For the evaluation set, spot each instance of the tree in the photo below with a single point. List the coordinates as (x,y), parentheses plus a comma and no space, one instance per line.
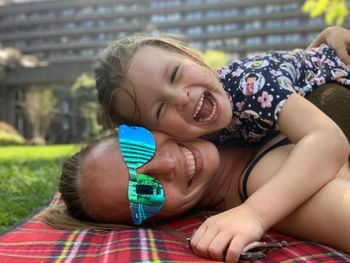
(39,104)
(85,93)
(214,58)
(335,11)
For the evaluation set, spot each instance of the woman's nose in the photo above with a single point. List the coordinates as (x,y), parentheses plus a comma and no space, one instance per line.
(161,167)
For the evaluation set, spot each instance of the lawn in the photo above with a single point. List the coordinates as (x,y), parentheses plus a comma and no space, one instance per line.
(28,177)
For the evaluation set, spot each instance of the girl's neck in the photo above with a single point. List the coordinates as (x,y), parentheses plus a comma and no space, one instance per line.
(223,193)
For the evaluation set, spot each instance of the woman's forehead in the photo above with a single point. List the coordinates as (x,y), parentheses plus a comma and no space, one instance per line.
(105,180)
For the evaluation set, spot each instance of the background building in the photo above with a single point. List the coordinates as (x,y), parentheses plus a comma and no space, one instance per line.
(69,34)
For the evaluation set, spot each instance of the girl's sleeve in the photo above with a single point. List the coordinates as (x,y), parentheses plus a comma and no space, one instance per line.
(264,88)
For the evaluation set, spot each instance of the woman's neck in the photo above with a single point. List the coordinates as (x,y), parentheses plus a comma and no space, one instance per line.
(223,193)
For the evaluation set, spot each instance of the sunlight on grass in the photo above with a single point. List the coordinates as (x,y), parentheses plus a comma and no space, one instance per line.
(35,152)
(29,176)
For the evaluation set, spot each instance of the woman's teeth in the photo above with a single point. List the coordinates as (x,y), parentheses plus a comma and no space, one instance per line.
(191,163)
(210,107)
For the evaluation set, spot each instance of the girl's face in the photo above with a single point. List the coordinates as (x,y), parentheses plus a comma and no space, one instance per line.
(173,94)
(184,169)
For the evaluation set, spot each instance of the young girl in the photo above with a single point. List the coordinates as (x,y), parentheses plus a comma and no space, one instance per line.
(163,86)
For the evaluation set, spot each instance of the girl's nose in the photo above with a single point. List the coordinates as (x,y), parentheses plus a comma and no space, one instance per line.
(181,98)
(161,167)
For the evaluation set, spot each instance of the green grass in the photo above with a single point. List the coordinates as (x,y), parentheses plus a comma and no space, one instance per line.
(28,177)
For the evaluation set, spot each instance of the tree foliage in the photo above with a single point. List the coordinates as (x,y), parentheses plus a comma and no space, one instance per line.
(334,11)
(39,104)
(84,92)
(214,58)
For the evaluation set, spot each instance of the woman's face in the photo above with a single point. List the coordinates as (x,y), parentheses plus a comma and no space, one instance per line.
(185,170)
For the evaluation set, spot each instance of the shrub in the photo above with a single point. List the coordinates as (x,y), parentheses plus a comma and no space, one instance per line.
(10,138)
(9,135)
(37,141)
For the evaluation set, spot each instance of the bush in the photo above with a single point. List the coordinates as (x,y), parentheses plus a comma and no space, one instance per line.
(37,141)
(9,135)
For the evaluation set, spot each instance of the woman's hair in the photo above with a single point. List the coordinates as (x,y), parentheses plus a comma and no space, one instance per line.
(74,213)
(112,66)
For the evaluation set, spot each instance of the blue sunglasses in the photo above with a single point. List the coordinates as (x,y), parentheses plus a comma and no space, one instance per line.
(146,196)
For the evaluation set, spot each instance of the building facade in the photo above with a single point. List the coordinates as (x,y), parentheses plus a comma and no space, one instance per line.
(70,34)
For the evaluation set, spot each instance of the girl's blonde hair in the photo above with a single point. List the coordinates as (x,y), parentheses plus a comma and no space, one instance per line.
(112,66)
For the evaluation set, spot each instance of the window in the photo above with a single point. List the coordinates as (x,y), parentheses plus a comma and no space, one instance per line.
(194,2)
(311,36)
(292,38)
(69,25)
(276,39)
(88,23)
(158,18)
(68,12)
(196,45)
(274,24)
(214,28)
(232,41)
(291,22)
(255,10)
(196,30)
(65,124)
(194,15)
(176,31)
(316,21)
(231,12)
(65,106)
(231,27)
(291,7)
(87,53)
(214,14)
(212,44)
(173,17)
(87,10)
(269,9)
(252,25)
(253,41)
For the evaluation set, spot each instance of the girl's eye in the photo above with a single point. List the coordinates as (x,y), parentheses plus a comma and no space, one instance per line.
(173,75)
(159,110)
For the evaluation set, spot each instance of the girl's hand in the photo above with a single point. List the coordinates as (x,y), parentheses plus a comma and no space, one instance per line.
(337,38)
(223,236)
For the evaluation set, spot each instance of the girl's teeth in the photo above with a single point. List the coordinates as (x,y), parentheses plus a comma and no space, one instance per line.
(191,163)
(199,106)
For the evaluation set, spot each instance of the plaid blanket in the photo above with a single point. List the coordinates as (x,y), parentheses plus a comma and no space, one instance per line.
(33,241)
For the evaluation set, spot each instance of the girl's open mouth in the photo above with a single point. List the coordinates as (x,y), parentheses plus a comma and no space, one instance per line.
(206,108)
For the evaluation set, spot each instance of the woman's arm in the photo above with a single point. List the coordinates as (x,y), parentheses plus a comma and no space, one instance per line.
(337,38)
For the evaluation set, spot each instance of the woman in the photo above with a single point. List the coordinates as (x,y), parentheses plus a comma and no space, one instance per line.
(94,186)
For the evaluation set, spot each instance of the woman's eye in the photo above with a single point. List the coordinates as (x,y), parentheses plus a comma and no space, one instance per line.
(173,75)
(159,110)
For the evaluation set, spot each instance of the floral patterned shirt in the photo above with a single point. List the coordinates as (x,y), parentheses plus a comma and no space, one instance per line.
(258,86)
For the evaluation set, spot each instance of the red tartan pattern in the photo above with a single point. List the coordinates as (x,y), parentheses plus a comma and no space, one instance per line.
(33,241)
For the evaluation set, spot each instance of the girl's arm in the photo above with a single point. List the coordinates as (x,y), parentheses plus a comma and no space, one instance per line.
(321,149)
(337,38)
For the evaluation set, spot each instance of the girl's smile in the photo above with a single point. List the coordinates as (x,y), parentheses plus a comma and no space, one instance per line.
(171,92)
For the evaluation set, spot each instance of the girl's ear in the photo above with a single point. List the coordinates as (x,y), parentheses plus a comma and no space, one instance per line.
(193,53)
